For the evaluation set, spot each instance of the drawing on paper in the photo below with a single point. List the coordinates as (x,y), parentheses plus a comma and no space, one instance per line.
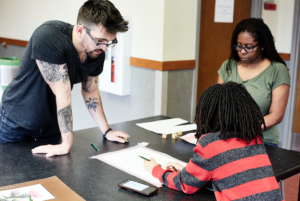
(37,193)
(129,161)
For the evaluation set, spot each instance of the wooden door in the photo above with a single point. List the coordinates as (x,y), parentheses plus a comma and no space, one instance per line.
(296,128)
(215,41)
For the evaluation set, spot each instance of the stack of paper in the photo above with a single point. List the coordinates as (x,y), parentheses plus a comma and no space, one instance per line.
(167,126)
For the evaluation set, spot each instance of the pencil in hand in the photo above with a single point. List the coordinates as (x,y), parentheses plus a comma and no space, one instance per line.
(146,159)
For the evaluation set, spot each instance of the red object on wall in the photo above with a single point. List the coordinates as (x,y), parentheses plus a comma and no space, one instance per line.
(270,6)
(112,69)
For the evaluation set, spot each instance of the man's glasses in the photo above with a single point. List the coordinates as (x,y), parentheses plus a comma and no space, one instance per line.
(102,45)
(247,49)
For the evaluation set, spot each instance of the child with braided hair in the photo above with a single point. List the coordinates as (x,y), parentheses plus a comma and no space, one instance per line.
(230,151)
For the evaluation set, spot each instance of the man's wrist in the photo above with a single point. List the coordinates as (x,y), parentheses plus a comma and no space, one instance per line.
(105,133)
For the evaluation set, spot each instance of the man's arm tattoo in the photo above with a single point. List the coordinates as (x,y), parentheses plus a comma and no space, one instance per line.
(92,104)
(86,83)
(65,119)
(65,74)
(52,74)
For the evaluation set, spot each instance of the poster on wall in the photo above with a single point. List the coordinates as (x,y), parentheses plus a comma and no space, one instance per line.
(224,11)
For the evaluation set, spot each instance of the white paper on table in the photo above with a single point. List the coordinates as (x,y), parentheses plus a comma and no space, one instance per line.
(166,123)
(175,129)
(37,193)
(128,160)
(224,11)
(190,137)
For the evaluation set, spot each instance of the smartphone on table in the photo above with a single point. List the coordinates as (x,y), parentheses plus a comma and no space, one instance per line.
(138,187)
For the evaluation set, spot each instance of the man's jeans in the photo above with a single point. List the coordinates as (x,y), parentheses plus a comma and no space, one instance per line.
(11,132)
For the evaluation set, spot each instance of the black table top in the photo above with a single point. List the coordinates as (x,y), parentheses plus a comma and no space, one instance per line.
(95,180)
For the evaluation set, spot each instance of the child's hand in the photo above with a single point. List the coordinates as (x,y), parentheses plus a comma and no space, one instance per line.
(176,167)
(149,165)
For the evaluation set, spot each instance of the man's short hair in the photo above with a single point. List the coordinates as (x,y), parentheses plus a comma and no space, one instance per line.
(102,12)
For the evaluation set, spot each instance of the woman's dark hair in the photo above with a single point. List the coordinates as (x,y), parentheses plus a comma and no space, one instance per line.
(229,108)
(95,12)
(261,33)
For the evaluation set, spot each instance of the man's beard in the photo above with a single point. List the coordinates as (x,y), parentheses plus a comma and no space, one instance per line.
(92,54)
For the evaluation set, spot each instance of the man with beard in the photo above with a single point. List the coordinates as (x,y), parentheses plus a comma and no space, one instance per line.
(37,103)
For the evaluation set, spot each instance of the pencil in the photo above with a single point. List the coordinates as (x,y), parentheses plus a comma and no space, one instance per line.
(94,147)
(146,159)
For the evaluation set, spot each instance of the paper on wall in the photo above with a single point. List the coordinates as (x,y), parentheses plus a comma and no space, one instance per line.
(224,11)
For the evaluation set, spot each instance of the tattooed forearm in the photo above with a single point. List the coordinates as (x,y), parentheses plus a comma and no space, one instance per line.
(92,103)
(65,74)
(65,119)
(86,83)
(52,74)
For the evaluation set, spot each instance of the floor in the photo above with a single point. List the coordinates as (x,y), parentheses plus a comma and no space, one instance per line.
(291,185)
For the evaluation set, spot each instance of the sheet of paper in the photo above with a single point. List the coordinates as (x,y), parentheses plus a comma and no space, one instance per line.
(154,125)
(128,160)
(190,137)
(37,193)
(224,11)
(53,184)
(175,129)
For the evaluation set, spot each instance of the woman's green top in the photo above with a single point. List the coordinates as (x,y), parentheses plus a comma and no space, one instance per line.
(260,88)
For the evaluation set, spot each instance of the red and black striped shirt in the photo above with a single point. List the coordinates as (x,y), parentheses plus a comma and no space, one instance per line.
(237,170)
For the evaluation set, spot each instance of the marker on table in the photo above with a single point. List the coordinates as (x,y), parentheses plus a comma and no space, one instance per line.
(30,198)
(94,147)
(146,159)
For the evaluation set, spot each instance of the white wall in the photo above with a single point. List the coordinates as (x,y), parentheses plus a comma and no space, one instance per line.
(163,30)
(280,23)
(180,30)
(147,26)
(19,18)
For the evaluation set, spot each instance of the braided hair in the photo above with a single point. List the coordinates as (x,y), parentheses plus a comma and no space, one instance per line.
(260,33)
(229,108)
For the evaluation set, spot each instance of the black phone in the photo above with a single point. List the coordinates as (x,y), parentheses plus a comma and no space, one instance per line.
(138,187)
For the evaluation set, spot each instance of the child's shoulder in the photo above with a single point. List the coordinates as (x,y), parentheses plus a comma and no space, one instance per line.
(209,138)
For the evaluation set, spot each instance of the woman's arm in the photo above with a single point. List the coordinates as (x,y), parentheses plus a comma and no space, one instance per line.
(220,81)
(280,97)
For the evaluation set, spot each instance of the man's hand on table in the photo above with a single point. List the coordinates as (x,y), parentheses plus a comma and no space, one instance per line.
(118,136)
(52,150)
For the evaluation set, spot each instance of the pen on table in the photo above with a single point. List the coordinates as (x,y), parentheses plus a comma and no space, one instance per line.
(146,159)
(94,147)
(125,139)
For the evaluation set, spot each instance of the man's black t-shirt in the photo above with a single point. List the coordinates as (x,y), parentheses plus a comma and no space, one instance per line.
(28,100)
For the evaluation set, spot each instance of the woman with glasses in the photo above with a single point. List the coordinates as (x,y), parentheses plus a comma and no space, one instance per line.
(255,63)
